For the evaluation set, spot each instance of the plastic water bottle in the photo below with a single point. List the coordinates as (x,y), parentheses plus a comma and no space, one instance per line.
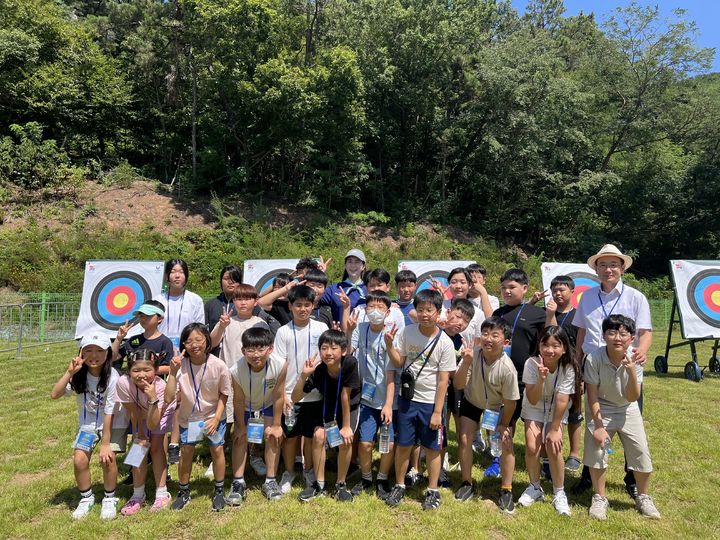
(215,438)
(290,417)
(385,439)
(496,444)
(608,446)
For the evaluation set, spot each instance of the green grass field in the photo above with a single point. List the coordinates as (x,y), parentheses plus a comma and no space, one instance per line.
(38,488)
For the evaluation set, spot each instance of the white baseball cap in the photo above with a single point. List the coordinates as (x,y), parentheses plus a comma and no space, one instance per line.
(356,253)
(101,340)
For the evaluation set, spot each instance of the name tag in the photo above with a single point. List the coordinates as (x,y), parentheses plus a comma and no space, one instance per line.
(490,419)
(85,440)
(195,431)
(137,453)
(176,343)
(332,434)
(255,430)
(368,391)
(507,349)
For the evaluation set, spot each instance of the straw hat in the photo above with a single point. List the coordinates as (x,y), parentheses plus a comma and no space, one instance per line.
(609,250)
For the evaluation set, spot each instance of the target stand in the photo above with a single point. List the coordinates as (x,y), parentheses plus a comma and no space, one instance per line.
(696,309)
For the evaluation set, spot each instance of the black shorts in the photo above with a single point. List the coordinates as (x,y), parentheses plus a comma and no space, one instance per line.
(308,417)
(468,410)
(454,397)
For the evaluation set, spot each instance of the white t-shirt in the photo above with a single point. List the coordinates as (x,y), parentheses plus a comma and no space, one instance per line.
(295,344)
(595,305)
(414,346)
(258,386)
(179,312)
(477,302)
(373,362)
(562,381)
(231,344)
(93,406)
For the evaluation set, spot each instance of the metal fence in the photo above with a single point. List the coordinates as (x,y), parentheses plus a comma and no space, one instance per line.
(34,324)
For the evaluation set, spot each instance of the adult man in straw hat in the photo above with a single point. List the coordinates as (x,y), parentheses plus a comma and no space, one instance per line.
(612,296)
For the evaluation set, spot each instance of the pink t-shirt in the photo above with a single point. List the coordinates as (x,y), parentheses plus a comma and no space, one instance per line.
(128,392)
(212,379)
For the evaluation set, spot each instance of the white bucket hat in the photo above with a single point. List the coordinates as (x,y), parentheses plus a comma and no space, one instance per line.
(609,250)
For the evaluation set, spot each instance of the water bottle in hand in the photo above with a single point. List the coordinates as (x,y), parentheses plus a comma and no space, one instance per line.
(608,446)
(496,444)
(385,439)
(290,417)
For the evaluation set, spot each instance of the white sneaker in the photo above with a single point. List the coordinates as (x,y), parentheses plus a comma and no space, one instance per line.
(479,443)
(83,507)
(209,473)
(446,462)
(309,478)
(258,465)
(108,510)
(530,495)
(286,481)
(560,503)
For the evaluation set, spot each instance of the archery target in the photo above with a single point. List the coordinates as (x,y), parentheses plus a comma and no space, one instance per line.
(440,275)
(117,297)
(113,291)
(703,293)
(439,270)
(260,273)
(583,282)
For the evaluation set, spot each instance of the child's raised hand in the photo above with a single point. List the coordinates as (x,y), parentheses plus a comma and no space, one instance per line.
(466,352)
(352,321)
(148,388)
(537,296)
(310,365)
(336,326)
(542,370)
(323,264)
(344,298)
(629,361)
(437,285)
(123,330)
(389,335)
(224,320)
(551,306)
(176,362)
(76,364)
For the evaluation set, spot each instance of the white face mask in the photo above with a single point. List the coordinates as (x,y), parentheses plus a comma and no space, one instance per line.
(375,316)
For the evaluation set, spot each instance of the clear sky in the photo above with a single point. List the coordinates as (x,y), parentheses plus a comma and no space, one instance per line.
(706,13)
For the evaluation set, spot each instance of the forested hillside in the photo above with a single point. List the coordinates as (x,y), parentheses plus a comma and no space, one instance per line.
(553,133)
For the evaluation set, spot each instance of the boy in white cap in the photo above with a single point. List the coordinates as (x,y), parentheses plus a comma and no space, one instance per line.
(611,297)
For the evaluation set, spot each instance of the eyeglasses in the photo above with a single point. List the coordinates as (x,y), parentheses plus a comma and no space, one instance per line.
(609,266)
(256,350)
(191,342)
(616,333)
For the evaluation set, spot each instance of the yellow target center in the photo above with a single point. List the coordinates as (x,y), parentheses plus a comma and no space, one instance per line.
(579,297)
(715,297)
(121,300)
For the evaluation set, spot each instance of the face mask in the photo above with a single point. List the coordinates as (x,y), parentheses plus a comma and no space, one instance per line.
(375,316)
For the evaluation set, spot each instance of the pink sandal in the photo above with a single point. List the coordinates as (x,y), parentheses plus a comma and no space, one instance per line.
(161,503)
(133,506)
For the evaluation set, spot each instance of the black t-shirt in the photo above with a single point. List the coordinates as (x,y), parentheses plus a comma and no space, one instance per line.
(161,345)
(323,382)
(322,314)
(565,320)
(530,323)
(281,311)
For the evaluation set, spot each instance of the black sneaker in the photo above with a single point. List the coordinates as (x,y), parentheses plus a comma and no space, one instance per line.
(342,494)
(173,454)
(432,500)
(128,479)
(506,502)
(218,500)
(310,493)
(412,477)
(271,490)
(632,490)
(444,480)
(180,502)
(363,486)
(238,493)
(382,489)
(464,492)
(396,495)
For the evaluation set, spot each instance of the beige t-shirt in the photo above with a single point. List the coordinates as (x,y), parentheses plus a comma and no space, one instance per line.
(410,343)
(561,381)
(263,381)
(500,381)
(611,382)
(231,344)
(212,379)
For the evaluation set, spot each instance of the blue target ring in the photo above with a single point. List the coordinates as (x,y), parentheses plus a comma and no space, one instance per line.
(266,280)
(440,275)
(583,282)
(703,295)
(116,297)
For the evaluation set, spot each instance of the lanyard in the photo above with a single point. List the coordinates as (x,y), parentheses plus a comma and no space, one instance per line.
(297,366)
(250,373)
(615,304)
(565,317)
(337,397)
(97,408)
(429,343)
(482,368)
(177,326)
(196,404)
(137,402)
(377,356)
(517,317)
(552,398)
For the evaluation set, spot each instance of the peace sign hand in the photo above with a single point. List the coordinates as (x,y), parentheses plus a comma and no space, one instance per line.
(538,295)
(352,321)
(344,298)
(310,365)
(629,361)
(389,335)
(123,330)
(76,364)
(323,264)
(542,369)
(224,320)
(176,362)
(437,285)
(466,351)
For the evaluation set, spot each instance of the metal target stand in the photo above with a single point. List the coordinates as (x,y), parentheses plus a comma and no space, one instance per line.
(692,369)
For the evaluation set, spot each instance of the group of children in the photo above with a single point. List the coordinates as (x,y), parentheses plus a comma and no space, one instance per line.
(350,368)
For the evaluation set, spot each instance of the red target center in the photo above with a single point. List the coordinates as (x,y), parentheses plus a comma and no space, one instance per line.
(120,300)
(711,295)
(577,294)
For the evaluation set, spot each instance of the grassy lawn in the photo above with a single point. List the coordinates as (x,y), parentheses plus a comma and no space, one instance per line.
(39,491)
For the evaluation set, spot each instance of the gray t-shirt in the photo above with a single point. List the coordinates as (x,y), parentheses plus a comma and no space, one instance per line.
(562,381)
(611,382)
(414,346)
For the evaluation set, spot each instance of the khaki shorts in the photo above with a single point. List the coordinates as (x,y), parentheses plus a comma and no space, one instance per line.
(118,440)
(630,429)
